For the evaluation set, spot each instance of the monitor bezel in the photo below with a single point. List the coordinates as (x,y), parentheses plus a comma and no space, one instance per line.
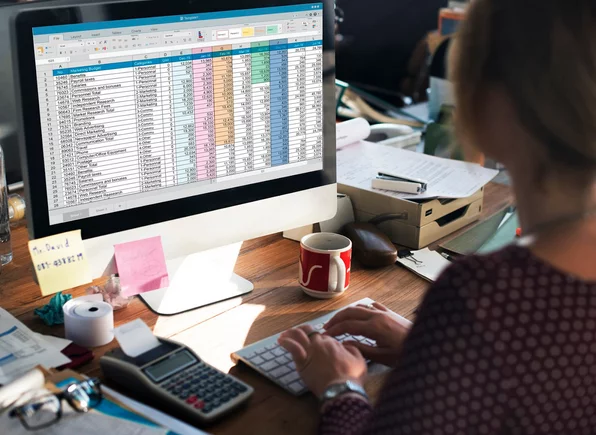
(31,134)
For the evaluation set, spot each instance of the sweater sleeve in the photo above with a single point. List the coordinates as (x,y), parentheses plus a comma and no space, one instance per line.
(447,380)
(344,416)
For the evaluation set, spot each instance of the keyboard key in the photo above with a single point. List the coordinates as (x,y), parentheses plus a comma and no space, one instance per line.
(269,365)
(268,356)
(296,387)
(282,360)
(289,378)
(292,365)
(271,346)
(250,355)
(280,371)
(279,351)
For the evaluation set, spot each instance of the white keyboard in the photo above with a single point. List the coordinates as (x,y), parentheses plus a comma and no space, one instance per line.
(274,362)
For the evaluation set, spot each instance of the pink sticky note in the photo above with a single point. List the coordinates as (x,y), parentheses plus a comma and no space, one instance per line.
(141,266)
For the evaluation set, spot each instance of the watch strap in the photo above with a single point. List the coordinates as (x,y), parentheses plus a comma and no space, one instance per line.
(339,389)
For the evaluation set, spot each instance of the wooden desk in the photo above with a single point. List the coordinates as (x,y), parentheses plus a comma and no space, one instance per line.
(214,332)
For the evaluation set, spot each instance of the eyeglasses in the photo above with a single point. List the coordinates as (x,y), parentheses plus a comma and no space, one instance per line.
(41,412)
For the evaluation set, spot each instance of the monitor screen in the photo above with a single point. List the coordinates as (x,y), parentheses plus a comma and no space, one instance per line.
(143,111)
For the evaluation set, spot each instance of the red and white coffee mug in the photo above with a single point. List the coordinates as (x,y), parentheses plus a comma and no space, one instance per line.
(325,263)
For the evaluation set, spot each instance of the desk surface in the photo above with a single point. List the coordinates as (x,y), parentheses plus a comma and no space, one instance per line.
(214,332)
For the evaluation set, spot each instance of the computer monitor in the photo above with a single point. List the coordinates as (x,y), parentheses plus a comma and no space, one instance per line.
(203,122)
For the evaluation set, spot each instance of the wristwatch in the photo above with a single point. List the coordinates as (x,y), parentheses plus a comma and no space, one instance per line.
(336,390)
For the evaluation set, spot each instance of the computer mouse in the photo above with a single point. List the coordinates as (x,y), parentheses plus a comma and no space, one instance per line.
(370,246)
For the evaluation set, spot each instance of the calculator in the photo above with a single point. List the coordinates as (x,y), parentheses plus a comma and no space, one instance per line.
(174,377)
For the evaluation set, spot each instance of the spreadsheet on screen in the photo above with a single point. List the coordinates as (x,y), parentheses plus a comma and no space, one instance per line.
(142,111)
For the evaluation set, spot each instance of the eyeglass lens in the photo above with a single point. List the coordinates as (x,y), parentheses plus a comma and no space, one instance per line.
(40,412)
(83,396)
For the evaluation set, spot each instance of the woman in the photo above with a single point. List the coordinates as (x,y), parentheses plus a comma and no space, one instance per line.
(503,343)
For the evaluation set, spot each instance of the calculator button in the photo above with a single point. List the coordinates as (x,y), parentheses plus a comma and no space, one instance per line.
(192,399)
(240,387)
(271,346)
(199,404)
(292,365)
(207,409)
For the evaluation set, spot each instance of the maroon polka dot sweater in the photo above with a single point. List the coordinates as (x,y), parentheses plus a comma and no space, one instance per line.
(502,344)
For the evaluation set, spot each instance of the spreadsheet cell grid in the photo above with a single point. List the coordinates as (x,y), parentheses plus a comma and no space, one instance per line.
(132,124)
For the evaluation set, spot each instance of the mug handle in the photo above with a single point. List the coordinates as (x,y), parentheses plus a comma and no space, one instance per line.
(341,274)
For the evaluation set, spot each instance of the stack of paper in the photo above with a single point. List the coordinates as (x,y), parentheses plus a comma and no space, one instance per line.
(359,163)
(22,349)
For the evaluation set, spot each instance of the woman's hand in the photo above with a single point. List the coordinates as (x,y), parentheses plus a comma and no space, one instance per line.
(377,323)
(322,360)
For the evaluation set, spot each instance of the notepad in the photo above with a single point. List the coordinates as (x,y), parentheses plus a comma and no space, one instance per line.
(141,266)
(60,262)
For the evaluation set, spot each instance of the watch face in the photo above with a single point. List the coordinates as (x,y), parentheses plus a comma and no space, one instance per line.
(336,389)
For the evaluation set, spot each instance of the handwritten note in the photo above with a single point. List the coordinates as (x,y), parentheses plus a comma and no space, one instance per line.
(60,262)
(141,266)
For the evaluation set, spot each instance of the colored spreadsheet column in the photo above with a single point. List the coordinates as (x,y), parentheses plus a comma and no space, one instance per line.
(223,92)
(242,62)
(184,119)
(204,113)
(280,141)
(261,77)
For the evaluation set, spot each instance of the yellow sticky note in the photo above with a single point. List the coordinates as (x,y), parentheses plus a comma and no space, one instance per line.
(60,262)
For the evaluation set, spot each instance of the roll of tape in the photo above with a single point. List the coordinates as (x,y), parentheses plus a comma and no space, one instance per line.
(89,321)
(16,204)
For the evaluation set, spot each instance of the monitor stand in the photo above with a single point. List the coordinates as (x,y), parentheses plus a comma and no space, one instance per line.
(197,280)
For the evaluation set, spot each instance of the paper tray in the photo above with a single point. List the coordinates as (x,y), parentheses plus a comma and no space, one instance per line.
(419,213)
(416,237)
